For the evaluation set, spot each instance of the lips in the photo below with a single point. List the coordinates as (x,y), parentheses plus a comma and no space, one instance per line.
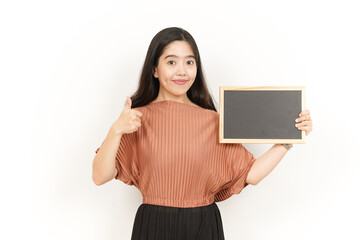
(180,81)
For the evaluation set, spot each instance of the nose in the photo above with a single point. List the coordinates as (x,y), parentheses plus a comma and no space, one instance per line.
(181,71)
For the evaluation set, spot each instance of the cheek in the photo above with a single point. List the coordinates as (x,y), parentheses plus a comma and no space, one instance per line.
(165,73)
(165,76)
(192,72)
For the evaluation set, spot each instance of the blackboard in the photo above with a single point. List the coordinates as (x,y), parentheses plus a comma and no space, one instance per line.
(260,114)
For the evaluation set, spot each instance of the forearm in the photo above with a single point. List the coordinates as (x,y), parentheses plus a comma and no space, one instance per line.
(104,161)
(265,164)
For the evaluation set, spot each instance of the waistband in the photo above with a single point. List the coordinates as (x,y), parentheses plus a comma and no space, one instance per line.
(169,209)
(180,203)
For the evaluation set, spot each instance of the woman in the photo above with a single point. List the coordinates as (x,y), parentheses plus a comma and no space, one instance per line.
(165,142)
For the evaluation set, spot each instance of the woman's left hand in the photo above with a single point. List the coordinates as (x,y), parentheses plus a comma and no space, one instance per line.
(304,122)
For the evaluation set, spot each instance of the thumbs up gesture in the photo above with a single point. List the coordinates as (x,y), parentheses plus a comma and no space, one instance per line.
(129,120)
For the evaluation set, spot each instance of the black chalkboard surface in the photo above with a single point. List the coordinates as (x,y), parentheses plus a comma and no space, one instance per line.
(261,114)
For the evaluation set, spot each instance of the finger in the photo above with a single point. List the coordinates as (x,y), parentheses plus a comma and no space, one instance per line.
(138,120)
(135,117)
(138,113)
(304,123)
(128,103)
(305,112)
(307,129)
(303,118)
(135,128)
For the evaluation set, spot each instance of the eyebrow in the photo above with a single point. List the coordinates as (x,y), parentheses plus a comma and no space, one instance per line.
(172,55)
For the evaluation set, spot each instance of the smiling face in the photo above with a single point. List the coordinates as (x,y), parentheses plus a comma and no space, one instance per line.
(176,71)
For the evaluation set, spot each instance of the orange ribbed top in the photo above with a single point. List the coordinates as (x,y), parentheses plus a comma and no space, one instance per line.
(175,158)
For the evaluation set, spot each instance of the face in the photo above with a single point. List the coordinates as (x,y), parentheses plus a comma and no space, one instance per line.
(176,70)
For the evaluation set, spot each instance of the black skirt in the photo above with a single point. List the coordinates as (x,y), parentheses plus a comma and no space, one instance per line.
(155,222)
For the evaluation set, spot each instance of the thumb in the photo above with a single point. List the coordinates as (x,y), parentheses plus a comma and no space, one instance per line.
(128,103)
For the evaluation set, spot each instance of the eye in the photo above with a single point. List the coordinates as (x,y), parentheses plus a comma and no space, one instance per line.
(190,62)
(171,62)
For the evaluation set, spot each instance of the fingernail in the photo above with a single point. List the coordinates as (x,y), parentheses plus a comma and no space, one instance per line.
(296,120)
(296,125)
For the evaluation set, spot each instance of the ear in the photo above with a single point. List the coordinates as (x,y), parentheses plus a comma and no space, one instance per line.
(155,73)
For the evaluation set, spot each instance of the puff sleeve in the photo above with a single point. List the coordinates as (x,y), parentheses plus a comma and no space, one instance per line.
(238,161)
(126,159)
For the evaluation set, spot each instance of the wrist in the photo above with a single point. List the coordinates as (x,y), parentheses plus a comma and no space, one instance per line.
(287,146)
(115,132)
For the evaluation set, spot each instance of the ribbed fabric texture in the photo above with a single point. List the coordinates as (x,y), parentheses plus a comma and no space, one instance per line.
(175,158)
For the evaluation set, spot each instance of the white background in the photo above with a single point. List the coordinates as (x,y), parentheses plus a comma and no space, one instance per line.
(67,67)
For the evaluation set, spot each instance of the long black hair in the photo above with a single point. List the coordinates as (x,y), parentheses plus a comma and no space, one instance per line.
(148,87)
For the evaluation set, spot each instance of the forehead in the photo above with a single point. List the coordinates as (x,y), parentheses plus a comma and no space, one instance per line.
(179,48)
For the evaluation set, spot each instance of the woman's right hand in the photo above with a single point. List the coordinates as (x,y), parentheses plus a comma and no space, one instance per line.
(129,120)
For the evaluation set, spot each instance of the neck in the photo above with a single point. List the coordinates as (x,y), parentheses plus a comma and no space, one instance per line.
(182,99)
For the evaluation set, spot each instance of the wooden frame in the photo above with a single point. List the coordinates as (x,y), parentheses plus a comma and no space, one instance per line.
(222,139)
